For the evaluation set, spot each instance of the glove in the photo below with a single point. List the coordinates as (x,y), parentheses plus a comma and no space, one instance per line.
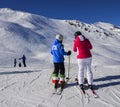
(69,52)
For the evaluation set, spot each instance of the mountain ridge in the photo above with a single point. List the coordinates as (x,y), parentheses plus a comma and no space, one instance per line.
(26,33)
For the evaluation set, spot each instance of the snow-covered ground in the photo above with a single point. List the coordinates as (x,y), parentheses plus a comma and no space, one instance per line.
(32,35)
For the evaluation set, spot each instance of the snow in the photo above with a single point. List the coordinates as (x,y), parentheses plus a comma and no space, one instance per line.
(31,86)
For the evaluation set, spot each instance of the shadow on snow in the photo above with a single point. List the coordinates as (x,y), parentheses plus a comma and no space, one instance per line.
(19,72)
(109,81)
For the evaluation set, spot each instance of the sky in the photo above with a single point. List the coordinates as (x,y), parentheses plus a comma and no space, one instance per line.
(88,11)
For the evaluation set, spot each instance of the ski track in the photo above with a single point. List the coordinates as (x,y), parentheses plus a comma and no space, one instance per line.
(32,90)
(115,97)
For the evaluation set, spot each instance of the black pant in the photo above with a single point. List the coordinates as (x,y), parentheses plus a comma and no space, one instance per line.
(24,63)
(59,68)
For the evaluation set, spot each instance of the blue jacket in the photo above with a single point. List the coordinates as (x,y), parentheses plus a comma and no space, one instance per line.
(57,50)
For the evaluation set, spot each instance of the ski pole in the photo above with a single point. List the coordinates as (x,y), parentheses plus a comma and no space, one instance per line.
(68,67)
(50,78)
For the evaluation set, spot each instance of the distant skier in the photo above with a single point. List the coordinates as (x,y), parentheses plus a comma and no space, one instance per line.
(19,64)
(58,52)
(84,57)
(15,62)
(23,60)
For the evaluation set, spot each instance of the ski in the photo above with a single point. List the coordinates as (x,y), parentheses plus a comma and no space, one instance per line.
(54,91)
(83,91)
(94,93)
(59,92)
(91,89)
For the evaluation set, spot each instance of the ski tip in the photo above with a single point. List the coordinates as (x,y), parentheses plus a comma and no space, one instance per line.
(96,96)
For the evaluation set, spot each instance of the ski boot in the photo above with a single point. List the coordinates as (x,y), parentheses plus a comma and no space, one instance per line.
(56,85)
(81,86)
(90,86)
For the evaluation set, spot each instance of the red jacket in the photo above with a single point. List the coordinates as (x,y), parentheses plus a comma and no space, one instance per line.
(82,46)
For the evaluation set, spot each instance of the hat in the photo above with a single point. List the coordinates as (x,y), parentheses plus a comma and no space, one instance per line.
(77,33)
(59,37)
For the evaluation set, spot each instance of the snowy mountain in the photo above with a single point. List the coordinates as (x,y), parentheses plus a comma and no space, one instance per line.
(25,33)
(32,35)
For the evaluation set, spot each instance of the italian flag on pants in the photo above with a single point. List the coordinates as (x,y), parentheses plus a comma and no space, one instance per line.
(56,78)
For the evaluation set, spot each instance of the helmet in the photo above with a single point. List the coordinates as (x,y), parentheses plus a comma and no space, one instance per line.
(77,33)
(59,37)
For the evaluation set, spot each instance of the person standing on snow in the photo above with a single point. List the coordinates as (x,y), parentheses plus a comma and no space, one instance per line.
(84,58)
(23,60)
(15,62)
(58,52)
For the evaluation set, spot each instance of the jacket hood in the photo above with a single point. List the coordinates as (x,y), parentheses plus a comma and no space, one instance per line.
(82,38)
(56,41)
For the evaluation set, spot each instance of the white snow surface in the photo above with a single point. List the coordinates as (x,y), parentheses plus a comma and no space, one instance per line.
(31,86)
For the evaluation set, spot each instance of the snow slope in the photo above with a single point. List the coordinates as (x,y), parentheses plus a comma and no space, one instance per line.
(32,35)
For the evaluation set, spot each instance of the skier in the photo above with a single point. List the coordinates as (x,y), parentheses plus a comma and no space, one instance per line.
(15,62)
(84,58)
(19,64)
(23,60)
(58,52)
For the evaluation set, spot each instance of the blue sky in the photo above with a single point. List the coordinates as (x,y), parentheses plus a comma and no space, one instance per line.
(88,11)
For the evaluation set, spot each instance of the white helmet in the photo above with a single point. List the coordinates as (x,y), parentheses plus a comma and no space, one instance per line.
(59,37)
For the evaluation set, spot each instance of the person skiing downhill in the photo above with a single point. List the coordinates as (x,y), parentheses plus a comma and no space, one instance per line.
(58,52)
(84,58)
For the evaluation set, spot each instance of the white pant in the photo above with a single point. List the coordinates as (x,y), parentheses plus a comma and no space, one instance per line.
(85,64)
